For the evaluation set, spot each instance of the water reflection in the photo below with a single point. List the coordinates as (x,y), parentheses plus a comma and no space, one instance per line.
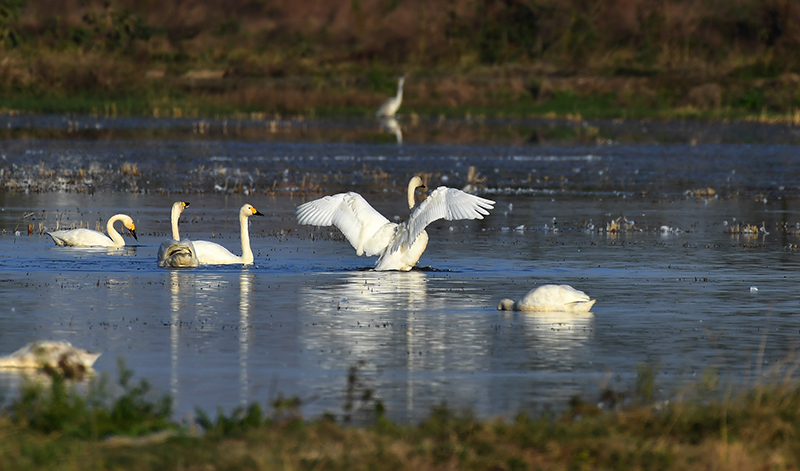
(176,306)
(560,337)
(373,316)
(391,125)
(245,286)
(196,304)
(367,292)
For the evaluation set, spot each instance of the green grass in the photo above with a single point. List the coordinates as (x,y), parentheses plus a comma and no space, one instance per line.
(706,427)
(166,101)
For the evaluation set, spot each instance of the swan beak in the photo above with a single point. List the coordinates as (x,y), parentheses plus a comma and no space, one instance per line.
(185,204)
(132,230)
(257,212)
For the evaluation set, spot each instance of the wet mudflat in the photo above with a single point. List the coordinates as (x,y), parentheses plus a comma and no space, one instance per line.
(697,273)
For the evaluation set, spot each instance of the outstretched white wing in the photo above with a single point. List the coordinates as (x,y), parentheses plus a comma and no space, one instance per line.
(442,203)
(350,212)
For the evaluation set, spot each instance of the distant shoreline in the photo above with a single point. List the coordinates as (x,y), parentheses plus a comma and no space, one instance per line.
(462,96)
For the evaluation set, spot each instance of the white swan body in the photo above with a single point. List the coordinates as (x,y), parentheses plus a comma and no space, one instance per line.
(88,238)
(211,253)
(51,355)
(399,246)
(549,298)
(390,106)
(177,253)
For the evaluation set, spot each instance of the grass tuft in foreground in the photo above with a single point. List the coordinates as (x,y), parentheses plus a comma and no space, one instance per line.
(60,428)
(59,408)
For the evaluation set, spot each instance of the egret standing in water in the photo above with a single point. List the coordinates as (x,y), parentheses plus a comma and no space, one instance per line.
(391,125)
(399,246)
(390,106)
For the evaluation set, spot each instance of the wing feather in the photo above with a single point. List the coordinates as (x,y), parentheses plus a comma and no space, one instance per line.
(349,212)
(443,203)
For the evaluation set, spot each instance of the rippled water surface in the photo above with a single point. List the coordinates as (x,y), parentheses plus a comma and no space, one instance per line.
(682,286)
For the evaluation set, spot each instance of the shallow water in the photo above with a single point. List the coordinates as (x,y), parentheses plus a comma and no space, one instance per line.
(680,299)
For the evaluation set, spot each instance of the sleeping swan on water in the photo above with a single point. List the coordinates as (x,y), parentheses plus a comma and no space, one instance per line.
(88,238)
(563,298)
(211,253)
(399,246)
(177,253)
(51,356)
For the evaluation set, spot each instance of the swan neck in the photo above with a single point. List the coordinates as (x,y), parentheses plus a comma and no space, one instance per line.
(411,201)
(112,233)
(247,252)
(176,214)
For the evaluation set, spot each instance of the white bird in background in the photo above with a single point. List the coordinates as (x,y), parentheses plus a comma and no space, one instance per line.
(177,253)
(547,298)
(390,106)
(53,356)
(89,238)
(391,125)
(210,253)
(399,246)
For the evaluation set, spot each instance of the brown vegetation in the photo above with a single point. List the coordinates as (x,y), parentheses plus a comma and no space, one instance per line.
(699,54)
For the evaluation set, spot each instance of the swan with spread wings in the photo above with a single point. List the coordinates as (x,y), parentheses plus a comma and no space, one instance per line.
(398,246)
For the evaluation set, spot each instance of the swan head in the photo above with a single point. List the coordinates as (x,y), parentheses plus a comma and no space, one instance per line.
(506,305)
(178,207)
(130,226)
(248,210)
(416,182)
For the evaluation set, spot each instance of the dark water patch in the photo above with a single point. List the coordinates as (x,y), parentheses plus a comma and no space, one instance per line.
(405,129)
(261,168)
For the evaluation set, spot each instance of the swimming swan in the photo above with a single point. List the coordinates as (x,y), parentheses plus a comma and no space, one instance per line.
(391,105)
(89,238)
(399,246)
(51,356)
(177,253)
(210,253)
(548,298)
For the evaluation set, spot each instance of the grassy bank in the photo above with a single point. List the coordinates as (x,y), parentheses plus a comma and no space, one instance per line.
(720,59)
(56,427)
(328,101)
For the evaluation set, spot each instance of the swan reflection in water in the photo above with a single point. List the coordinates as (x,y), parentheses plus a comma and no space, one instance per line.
(391,126)
(371,314)
(557,337)
(375,316)
(197,296)
(368,292)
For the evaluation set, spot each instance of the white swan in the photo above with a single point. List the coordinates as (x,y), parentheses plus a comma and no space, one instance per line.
(89,238)
(177,253)
(399,246)
(51,356)
(548,298)
(210,253)
(390,106)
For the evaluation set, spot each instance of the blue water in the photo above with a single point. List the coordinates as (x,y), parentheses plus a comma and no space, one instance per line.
(687,299)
